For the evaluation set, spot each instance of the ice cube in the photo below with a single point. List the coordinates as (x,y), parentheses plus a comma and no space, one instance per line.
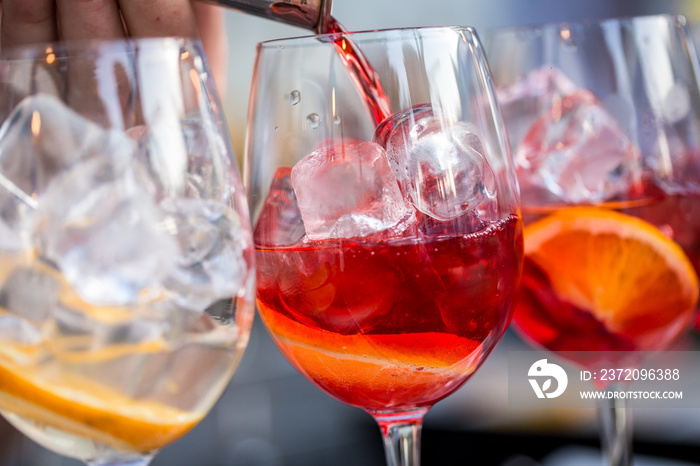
(43,136)
(99,224)
(577,152)
(279,222)
(207,173)
(184,324)
(30,292)
(16,219)
(211,261)
(82,328)
(530,96)
(104,344)
(17,331)
(28,298)
(39,138)
(348,191)
(439,164)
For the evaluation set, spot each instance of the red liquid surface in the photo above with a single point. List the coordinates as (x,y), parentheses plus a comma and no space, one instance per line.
(559,325)
(391,325)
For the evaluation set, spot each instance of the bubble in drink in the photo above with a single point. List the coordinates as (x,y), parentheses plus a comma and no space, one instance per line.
(440,165)
(313,119)
(280,222)
(348,191)
(577,152)
(294,97)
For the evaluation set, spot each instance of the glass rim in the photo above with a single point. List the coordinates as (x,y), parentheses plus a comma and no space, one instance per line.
(588,22)
(76,48)
(323,38)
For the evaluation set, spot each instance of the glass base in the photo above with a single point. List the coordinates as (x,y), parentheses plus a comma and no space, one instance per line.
(121,461)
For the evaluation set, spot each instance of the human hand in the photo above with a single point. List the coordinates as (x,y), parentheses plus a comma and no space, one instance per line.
(42,21)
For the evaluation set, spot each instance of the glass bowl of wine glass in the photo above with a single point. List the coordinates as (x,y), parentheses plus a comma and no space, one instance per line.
(387,223)
(604,123)
(126,257)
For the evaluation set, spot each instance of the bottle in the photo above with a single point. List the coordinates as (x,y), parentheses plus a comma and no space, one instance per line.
(308,14)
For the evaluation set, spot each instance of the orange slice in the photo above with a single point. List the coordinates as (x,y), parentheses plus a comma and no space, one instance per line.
(45,393)
(376,371)
(621,269)
(90,410)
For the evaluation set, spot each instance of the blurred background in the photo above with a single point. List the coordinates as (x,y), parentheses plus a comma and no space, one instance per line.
(271,416)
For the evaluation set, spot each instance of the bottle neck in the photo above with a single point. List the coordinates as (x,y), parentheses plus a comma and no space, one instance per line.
(308,14)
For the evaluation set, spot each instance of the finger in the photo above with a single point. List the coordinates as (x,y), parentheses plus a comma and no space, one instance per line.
(210,24)
(156,18)
(89,19)
(28,22)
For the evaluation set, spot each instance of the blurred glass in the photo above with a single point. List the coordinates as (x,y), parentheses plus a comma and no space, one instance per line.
(605,115)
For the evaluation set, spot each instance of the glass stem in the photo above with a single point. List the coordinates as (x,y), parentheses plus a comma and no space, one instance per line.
(130,461)
(615,430)
(401,434)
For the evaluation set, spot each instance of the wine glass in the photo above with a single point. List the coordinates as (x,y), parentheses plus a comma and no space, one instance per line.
(126,254)
(387,229)
(603,120)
